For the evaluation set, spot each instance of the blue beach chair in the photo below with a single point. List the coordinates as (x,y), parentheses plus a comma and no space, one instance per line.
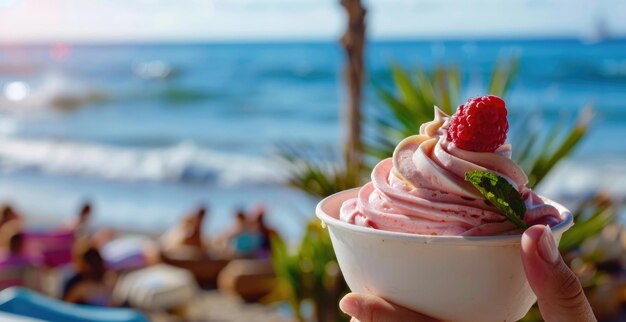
(27,303)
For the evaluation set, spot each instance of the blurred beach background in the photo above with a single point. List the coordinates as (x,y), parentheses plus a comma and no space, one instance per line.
(147,131)
(148,108)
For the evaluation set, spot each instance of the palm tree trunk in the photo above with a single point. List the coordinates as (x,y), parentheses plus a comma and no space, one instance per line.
(353,42)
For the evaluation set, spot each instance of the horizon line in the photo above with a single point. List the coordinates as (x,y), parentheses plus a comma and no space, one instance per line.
(305,40)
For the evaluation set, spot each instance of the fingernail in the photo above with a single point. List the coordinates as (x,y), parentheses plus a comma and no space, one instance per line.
(547,246)
(349,306)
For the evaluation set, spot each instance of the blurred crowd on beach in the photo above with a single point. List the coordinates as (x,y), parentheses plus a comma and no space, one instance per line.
(81,265)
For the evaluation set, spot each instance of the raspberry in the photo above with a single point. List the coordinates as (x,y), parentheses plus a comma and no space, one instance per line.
(479,125)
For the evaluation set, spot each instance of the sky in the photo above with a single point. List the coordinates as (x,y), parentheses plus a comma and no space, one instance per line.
(25,21)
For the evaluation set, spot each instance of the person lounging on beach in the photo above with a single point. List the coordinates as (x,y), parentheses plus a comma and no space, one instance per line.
(14,253)
(8,214)
(242,240)
(250,274)
(92,284)
(80,224)
(183,246)
(188,233)
(249,236)
(17,268)
(265,232)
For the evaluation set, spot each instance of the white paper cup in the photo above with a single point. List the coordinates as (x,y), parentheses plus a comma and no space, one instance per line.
(451,278)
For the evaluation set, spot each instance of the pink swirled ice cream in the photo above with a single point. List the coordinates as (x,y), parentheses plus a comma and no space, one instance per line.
(422,190)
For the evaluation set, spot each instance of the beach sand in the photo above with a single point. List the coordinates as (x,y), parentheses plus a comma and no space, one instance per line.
(213,306)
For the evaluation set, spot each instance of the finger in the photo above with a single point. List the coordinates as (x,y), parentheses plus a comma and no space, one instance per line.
(370,308)
(559,293)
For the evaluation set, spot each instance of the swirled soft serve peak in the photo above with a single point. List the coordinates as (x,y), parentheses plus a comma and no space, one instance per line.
(454,178)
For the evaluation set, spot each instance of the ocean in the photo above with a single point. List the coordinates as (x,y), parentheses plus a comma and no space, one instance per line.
(148,131)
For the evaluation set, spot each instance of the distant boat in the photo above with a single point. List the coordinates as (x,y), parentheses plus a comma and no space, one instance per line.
(154,69)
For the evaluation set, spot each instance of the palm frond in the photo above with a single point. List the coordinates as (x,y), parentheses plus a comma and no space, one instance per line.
(306,274)
(411,100)
(502,77)
(318,172)
(540,151)
(591,216)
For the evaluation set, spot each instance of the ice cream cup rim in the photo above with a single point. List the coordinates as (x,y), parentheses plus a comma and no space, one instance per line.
(497,240)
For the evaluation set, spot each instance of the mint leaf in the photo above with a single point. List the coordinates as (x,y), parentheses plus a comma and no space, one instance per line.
(501,194)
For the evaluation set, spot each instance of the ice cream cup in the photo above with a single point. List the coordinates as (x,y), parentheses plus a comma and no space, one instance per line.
(451,278)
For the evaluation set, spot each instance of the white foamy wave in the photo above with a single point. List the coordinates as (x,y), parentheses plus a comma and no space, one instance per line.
(182,162)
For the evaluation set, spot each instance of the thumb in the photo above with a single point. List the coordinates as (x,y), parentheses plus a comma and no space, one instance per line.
(559,293)
(370,308)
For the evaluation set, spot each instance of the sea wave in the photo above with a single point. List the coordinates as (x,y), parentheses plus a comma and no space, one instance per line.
(184,162)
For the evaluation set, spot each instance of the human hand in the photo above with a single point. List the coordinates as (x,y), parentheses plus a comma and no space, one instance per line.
(559,293)
(371,308)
